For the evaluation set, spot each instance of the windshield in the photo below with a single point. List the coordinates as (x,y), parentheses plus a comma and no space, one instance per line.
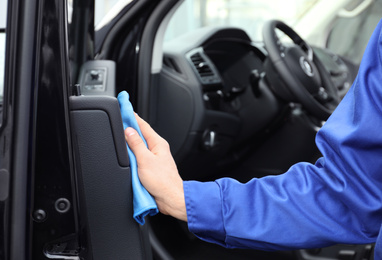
(246,14)
(322,23)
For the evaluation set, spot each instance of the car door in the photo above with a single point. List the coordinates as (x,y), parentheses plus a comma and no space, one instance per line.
(17,129)
(64,171)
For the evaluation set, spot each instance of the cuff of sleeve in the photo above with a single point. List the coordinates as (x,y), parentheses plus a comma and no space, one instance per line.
(204,211)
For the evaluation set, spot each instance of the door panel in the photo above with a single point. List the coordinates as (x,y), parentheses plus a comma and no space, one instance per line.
(104,180)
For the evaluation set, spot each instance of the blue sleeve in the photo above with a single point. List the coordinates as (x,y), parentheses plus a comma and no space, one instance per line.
(336,200)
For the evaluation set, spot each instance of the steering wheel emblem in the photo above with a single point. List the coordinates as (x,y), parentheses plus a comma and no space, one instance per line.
(306,67)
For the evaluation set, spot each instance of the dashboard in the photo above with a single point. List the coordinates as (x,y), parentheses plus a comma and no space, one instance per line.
(215,104)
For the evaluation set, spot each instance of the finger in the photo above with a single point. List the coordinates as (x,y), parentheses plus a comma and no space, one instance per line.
(152,138)
(135,142)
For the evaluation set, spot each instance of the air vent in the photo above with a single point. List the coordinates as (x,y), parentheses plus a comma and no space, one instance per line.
(201,66)
(204,68)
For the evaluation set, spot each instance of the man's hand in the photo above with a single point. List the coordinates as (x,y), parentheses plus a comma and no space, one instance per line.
(157,170)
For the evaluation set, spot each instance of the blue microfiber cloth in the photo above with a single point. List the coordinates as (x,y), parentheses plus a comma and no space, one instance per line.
(143,202)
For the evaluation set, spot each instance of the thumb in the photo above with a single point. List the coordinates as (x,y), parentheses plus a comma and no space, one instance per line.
(135,142)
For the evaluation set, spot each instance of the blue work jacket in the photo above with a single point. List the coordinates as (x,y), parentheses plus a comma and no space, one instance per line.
(336,200)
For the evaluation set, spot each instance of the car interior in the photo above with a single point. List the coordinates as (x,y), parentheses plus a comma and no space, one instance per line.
(229,106)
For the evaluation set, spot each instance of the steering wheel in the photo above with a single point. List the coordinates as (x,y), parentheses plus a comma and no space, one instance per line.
(303,77)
